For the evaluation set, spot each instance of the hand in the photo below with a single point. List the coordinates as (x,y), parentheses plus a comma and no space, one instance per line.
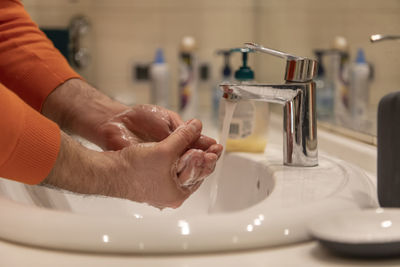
(81,109)
(143,123)
(146,172)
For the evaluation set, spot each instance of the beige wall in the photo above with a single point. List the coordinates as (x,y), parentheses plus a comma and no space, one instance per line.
(128,31)
(300,26)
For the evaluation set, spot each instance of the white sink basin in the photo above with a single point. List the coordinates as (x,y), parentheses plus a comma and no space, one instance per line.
(261,203)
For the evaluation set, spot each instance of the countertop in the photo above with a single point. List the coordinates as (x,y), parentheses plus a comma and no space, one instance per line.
(304,254)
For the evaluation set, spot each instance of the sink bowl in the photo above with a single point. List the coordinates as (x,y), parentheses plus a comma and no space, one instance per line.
(260,203)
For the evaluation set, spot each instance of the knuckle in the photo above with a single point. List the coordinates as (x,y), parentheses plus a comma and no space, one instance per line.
(186,136)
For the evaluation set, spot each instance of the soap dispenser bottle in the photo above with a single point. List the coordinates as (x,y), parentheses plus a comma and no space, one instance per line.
(248,128)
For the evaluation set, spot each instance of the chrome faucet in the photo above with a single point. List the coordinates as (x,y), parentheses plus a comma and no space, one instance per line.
(297,95)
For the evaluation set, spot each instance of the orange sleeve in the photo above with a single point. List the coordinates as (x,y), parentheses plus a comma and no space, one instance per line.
(29,142)
(29,64)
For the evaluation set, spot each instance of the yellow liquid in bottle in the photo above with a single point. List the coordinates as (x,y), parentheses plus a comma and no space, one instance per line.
(249,144)
(248,128)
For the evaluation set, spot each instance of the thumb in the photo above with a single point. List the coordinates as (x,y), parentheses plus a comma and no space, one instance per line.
(183,136)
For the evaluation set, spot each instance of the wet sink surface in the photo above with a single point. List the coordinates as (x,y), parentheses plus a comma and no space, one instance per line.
(260,203)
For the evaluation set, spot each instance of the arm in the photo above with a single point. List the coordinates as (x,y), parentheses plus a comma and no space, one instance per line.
(152,173)
(29,64)
(142,173)
(29,142)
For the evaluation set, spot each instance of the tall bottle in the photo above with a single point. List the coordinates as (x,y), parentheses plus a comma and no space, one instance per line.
(339,61)
(188,79)
(159,74)
(359,89)
(325,89)
(248,128)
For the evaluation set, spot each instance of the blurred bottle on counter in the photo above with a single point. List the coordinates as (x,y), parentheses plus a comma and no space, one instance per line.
(159,76)
(249,125)
(359,79)
(339,66)
(226,77)
(188,99)
(325,88)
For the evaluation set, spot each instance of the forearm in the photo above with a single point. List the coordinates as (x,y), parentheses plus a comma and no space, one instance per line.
(79,108)
(85,171)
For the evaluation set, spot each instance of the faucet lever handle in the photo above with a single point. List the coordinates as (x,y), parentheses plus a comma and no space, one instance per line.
(382,37)
(272,52)
(298,69)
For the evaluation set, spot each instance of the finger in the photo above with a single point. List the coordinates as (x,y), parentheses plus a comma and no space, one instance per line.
(204,142)
(192,170)
(194,166)
(182,138)
(194,187)
(150,123)
(210,161)
(216,149)
(175,120)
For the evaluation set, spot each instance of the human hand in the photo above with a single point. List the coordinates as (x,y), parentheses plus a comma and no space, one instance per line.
(81,109)
(163,171)
(142,123)
(149,123)
(113,126)
(145,172)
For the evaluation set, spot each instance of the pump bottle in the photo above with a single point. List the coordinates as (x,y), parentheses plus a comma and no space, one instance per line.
(248,128)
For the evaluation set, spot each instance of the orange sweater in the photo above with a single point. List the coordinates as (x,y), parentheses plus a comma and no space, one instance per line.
(31,67)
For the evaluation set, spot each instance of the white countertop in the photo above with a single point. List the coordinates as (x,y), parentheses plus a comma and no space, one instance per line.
(306,254)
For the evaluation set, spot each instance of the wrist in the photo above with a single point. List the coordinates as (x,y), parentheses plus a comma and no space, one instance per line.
(79,108)
(84,171)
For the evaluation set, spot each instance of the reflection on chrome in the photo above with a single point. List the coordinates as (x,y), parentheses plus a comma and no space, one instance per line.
(138,216)
(184,225)
(286,232)
(250,228)
(386,224)
(106,239)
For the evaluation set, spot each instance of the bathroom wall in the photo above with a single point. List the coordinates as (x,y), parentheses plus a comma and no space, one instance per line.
(300,26)
(126,32)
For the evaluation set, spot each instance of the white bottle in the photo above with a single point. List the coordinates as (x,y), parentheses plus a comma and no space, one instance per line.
(159,75)
(188,98)
(359,89)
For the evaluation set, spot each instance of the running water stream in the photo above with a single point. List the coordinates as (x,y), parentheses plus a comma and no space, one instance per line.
(229,109)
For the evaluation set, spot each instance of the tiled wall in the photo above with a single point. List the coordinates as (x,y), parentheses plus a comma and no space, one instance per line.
(125,32)
(300,26)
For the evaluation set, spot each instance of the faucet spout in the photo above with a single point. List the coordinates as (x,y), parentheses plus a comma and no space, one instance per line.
(299,116)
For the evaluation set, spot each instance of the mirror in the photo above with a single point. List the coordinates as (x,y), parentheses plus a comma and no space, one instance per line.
(125,34)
